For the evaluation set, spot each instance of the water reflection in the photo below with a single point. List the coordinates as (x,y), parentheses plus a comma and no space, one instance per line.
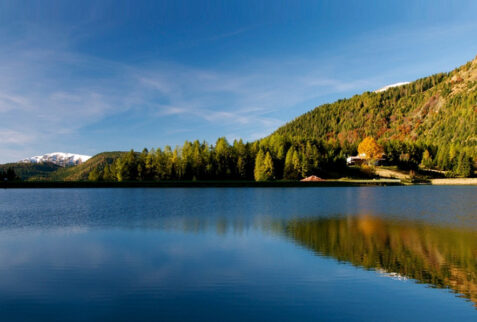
(178,254)
(442,257)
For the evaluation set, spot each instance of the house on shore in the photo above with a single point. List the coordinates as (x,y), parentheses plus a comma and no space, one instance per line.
(356,160)
(361,158)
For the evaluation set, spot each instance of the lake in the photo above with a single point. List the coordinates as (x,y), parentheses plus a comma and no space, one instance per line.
(235,254)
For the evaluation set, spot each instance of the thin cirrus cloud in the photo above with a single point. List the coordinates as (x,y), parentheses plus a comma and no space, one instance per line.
(50,95)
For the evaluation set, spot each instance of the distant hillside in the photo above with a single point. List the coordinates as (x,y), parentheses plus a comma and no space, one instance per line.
(439,109)
(40,171)
(54,172)
(81,171)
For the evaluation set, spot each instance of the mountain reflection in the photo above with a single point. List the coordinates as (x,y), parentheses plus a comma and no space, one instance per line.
(441,257)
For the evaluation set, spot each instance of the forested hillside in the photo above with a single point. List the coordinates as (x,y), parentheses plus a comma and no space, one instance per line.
(81,172)
(438,110)
(51,171)
(24,171)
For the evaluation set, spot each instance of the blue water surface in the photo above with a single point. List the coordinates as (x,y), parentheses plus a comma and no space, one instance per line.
(235,254)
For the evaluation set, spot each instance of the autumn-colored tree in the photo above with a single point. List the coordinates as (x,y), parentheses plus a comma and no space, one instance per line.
(370,149)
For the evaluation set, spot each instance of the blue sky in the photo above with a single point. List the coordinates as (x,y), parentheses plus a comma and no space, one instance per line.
(92,76)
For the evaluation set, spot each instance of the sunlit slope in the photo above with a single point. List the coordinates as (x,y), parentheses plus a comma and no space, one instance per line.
(439,109)
(80,172)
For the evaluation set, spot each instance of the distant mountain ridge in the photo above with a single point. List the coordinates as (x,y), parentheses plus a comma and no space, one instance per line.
(59,158)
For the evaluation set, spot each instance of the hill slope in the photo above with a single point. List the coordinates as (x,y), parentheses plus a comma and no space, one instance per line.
(80,172)
(39,171)
(439,109)
(54,172)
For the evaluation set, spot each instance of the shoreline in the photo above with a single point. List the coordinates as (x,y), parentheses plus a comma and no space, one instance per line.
(454,181)
(198,184)
(235,183)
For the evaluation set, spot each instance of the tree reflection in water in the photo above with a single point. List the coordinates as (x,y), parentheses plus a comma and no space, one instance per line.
(439,256)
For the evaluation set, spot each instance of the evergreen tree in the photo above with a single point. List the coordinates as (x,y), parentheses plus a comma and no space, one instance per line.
(259,166)
(268,168)
(107,173)
(443,158)
(426,160)
(464,165)
(120,170)
(241,168)
(296,162)
(288,170)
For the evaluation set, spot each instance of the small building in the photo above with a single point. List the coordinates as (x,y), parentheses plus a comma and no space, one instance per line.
(356,160)
(361,158)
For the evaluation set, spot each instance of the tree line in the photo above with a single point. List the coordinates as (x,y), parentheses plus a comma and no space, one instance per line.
(273,158)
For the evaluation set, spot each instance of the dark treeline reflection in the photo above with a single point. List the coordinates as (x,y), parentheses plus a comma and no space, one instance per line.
(444,257)
(441,257)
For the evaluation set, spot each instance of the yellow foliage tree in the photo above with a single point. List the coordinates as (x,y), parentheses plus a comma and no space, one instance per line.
(370,149)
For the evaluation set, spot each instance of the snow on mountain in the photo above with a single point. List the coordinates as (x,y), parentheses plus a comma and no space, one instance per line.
(389,86)
(59,158)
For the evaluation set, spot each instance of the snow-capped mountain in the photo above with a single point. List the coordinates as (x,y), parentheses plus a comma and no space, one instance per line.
(389,86)
(59,158)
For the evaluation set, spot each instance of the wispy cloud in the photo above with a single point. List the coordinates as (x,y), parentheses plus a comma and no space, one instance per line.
(11,137)
(50,92)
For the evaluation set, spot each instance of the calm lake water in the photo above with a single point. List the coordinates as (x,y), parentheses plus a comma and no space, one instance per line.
(358,253)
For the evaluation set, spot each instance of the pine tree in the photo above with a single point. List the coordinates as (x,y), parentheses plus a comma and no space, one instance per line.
(443,158)
(288,170)
(426,160)
(268,168)
(120,170)
(296,165)
(241,168)
(464,165)
(107,173)
(259,166)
